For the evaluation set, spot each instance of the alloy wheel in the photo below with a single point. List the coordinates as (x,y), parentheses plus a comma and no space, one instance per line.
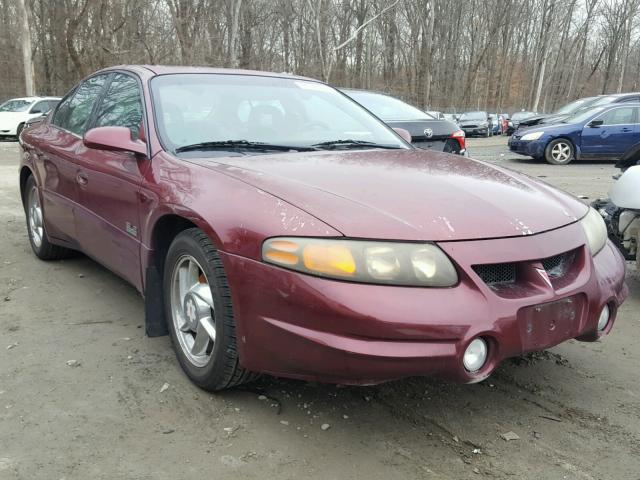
(193,311)
(561,152)
(36,228)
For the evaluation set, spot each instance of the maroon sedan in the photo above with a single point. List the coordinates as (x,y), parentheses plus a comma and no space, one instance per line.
(273,225)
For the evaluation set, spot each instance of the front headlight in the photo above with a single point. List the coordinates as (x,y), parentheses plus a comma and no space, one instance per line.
(532,136)
(389,263)
(595,230)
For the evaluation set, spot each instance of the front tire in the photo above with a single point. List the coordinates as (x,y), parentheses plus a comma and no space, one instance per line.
(19,130)
(38,239)
(200,313)
(559,152)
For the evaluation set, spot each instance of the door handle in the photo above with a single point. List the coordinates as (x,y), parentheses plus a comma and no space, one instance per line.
(626,129)
(82,179)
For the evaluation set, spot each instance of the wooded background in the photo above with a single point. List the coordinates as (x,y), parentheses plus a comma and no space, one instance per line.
(448,55)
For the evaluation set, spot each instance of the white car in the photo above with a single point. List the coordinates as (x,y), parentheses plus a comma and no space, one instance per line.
(15,112)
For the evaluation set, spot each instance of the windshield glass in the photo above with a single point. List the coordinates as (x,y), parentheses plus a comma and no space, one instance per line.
(570,108)
(386,107)
(583,115)
(199,108)
(15,106)
(521,115)
(473,116)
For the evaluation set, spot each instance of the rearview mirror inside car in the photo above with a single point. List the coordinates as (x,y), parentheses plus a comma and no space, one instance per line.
(116,139)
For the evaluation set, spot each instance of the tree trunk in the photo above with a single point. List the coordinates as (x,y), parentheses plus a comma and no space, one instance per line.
(27,54)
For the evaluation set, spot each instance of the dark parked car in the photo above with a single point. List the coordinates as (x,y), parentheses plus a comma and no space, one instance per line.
(273,225)
(476,123)
(516,118)
(607,132)
(579,106)
(427,132)
(560,114)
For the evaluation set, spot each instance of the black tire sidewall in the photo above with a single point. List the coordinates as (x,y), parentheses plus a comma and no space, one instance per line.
(30,185)
(19,130)
(549,147)
(213,372)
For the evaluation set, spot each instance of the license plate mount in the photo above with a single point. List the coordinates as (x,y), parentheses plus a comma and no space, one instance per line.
(547,324)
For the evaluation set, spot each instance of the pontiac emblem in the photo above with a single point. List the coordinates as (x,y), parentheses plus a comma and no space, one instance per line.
(428,132)
(543,273)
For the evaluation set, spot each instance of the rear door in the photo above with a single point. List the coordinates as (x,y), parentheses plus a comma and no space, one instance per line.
(56,160)
(107,217)
(617,133)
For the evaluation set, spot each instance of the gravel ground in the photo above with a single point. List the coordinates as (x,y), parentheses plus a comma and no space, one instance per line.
(574,410)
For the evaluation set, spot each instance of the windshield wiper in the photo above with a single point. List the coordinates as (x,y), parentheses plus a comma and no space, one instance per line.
(348,143)
(240,144)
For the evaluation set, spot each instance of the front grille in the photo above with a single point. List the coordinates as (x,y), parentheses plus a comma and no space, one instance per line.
(496,273)
(558,265)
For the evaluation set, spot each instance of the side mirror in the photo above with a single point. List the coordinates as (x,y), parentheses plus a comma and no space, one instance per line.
(36,110)
(595,123)
(115,139)
(406,136)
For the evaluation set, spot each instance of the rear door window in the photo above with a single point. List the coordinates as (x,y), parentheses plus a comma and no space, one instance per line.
(73,113)
(122,105)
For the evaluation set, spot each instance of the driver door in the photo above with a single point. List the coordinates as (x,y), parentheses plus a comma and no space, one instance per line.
(617,133)
(107,218)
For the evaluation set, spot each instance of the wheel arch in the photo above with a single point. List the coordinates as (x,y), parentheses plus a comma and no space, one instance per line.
(25,173)
(162,233)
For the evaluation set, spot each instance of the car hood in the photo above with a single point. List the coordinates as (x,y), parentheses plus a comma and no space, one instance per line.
(463,123)
(406,194)
(549,128)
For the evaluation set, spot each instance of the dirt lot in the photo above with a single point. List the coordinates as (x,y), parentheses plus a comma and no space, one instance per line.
(575,409)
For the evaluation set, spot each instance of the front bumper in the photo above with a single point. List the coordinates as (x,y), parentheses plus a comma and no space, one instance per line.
(299,326)
(475,131)
(533,148)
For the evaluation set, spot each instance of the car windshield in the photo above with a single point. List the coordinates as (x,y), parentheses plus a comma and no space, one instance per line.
(386,107)
(583,115)
(230,111)
(521,115)
(572,107)
(473,116)
(15,106)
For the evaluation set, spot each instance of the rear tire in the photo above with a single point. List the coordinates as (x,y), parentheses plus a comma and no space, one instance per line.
(559,152)
(199,313)
(38,239)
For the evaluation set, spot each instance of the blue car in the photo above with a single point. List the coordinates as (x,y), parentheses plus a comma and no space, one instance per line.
(599,133)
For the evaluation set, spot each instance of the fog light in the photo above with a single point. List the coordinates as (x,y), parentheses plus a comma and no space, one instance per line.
(475,355)
(603,321)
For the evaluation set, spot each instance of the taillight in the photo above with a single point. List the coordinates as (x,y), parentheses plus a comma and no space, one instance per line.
(458,135)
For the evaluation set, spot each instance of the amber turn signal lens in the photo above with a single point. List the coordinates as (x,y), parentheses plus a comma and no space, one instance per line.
(282,252)
(329,260)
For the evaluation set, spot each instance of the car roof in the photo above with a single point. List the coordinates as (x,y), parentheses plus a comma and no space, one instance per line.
(618,95)
(154,70)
